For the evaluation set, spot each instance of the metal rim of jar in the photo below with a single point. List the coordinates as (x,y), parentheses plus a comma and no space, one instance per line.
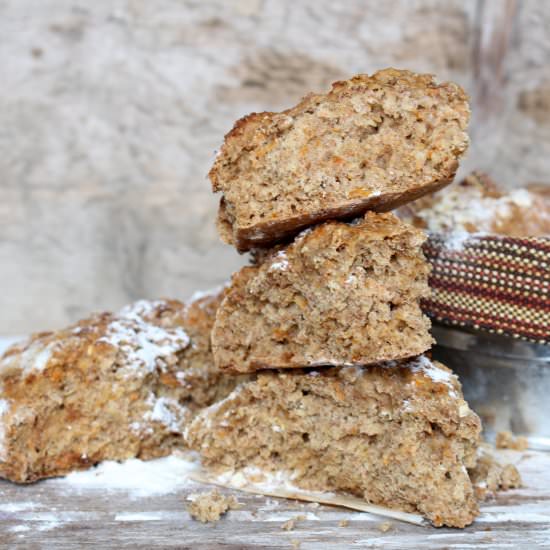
(492,345)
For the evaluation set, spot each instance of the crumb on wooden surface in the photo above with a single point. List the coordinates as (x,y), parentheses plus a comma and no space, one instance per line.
(295,543)
(510,478)
(507,440)
(288,525)
(343,522)
(210,506)
(291,523)
(490,476)
(385,526)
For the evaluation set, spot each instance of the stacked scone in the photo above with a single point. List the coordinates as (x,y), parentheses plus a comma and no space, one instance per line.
(329,310)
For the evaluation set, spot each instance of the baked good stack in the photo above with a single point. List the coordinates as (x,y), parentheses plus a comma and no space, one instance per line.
(310,365)
(330,307)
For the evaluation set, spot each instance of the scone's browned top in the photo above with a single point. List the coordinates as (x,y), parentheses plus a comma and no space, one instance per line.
(101,336)
(371,143)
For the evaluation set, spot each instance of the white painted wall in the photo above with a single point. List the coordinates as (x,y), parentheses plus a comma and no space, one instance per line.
(111,112)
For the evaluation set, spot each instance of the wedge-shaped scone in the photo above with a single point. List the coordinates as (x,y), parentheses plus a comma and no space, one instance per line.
(371,143)
(340,294)
(113,386)
(398,434)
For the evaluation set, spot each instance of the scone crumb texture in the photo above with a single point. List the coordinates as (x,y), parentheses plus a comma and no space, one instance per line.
(211,506)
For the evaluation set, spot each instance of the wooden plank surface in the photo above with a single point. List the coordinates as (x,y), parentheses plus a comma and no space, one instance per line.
(56,514)
(60,515)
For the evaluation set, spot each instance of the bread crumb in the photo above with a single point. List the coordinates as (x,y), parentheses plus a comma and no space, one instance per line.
(295,543)
(288,525)
(291,523)
(385,526)
(510,478)
(343,522)
(210,506)
(490,476)
(506,440)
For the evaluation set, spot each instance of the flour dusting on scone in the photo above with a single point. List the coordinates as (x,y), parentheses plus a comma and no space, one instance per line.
(113,386)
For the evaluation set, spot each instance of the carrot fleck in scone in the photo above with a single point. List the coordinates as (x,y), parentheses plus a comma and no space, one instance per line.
(340,294)
(113,386)
(371,143)
(398,434)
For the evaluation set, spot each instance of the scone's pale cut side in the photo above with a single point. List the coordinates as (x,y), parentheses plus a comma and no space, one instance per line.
(340,294)
(371,143)
(397,434)
(111,387)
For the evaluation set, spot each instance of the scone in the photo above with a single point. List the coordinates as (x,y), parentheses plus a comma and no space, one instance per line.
(340,294)
(371,143)
(479,205)
(113,386)
(196,372)
(397,434)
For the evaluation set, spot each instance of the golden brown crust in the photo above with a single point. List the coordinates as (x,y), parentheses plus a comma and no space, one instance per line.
(263,234)
(247,157)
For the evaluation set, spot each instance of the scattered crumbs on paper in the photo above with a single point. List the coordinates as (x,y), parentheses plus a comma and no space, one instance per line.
(288,525)
(507,440)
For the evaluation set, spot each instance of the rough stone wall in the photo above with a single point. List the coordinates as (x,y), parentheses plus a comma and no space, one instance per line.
(111,112)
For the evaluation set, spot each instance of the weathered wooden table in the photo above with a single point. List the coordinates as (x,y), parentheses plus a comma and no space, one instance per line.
(59,514)
(124,513)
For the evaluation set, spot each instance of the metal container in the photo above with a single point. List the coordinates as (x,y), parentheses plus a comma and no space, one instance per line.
(506,381)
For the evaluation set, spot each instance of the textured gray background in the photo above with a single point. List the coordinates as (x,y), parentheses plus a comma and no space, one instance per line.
(111,112)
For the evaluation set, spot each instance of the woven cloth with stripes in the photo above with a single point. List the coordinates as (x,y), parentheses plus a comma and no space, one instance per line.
(491,283)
